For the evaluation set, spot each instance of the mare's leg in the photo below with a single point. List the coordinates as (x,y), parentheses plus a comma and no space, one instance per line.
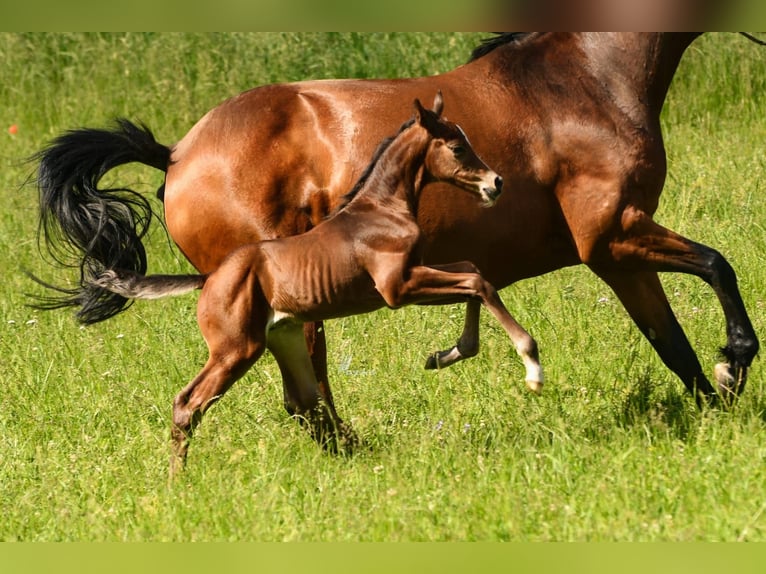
(286,341)
(647,246)
(447,283)
(316,343)
(232,315)
(295,381)
(644,299)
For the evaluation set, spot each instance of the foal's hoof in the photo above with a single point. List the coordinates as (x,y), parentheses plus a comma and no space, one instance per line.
(442,359)
(535,386)
(176,468)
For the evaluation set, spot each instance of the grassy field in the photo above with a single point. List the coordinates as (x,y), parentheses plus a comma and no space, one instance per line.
(614,449)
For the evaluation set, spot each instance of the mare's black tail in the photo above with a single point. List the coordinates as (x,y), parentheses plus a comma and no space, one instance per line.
(88,227)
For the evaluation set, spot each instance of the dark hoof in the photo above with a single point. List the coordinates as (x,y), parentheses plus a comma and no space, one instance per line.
(333,435)
(442,359)
(345,441)
(432,362)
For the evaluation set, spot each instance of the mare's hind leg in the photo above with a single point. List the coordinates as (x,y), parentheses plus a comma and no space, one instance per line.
(287,342)
(316,345)
(292,388)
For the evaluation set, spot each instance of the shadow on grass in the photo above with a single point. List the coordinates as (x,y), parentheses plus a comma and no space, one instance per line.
(658,406)
(671,407)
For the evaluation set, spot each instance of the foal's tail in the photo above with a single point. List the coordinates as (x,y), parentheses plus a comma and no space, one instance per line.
(91,228)
(136,286)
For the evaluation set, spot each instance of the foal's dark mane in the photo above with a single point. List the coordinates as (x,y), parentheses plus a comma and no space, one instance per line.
(499,39)
(382,147)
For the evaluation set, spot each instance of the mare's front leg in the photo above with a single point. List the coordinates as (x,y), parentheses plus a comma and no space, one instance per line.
(644,299)
(650,248)
(460,281)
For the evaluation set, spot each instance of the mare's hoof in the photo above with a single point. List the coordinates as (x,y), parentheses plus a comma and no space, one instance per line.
(730,381)
(348,441)
(724,376)
(339,438)
(535,386)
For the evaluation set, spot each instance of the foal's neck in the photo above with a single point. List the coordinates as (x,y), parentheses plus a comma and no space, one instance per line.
(398,174)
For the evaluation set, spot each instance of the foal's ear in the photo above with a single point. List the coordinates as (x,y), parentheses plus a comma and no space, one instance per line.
(420,112)
(438,103)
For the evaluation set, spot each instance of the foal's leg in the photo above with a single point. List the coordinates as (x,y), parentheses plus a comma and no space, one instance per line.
(647,246)
(218,375)
(446,283)
(467,345)
(232,316)
(525,345)
(287,343)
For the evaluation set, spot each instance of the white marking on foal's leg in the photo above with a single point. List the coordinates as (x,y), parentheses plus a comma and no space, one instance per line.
(535,377)
(528,352)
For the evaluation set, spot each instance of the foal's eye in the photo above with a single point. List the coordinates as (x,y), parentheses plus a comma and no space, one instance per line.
(458,150)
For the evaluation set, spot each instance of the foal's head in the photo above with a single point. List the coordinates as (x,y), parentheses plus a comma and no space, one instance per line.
(450,158)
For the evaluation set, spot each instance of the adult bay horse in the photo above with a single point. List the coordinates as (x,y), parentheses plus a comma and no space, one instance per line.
(366,256)
(569,120)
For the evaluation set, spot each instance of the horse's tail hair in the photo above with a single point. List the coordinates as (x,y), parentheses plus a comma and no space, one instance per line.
(136,286)
(91,228)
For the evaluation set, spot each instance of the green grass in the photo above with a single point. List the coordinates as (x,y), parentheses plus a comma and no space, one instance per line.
(614,449)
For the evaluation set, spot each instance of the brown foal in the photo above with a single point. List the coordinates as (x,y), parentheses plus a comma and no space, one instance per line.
(366,256)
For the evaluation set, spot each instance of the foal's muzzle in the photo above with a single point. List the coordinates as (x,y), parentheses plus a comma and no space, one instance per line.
(492,193)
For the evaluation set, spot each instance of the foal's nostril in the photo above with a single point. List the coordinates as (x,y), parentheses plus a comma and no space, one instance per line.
(499,184)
